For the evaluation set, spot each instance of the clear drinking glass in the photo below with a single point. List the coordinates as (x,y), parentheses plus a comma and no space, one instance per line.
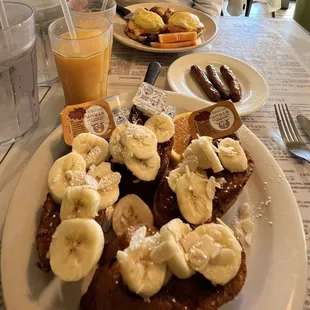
(80,7)
(82,63)
(45,12)
(19,102)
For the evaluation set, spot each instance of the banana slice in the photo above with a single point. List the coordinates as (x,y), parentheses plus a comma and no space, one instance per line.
(210,152)
(144,169)
(162,125)
(171,249)
(108,184)
(195,149)
(232,155)
(79,202)
(58,179)
(140,140)
(117,150)
(99,171)
(191,162)
(193,200)
(94,149)
(81,178)
(131,210)
(224,256)
(142,276)
(76,248)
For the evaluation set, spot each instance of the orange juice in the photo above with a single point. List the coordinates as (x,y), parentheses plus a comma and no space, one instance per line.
(83,65)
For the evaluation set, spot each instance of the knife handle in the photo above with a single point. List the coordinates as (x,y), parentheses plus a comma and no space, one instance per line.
(152,72)
(122,11)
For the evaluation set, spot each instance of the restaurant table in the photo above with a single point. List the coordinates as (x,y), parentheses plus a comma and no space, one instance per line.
(278,49)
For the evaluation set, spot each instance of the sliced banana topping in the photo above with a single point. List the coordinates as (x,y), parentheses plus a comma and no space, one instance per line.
(76,248)
(190,163)
(131,210)
(162,125)
(60,175)
(205,151)
(210,152)
(232,155)
(194,149)
(222,251)
(140,273)
(144,169)
(194,196)
(79,202)
(171,249)
(81,178)
(117,150)
(140,140)
(108,183)
(94,149)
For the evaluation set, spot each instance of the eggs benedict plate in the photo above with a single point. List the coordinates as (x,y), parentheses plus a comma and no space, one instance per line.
(165,28)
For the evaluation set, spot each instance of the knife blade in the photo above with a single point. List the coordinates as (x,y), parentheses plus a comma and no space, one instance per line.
(123,12)
(304,123)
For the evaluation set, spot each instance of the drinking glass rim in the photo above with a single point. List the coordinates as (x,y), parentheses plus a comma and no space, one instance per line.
(70,39)
(24,21)
(96,12)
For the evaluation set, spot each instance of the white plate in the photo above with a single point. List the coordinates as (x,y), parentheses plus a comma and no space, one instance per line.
(255,90)
(208,35)
(276,263)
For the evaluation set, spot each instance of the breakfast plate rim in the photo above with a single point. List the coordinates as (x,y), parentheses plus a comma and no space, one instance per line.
(8,282)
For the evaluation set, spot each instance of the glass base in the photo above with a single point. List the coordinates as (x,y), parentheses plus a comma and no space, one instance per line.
(16,139)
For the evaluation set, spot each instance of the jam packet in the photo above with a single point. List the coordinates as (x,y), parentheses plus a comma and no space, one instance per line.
(95,117)
(152,100)
(216,121)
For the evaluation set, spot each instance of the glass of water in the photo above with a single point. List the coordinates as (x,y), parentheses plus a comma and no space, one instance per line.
(19,102)
(45,12)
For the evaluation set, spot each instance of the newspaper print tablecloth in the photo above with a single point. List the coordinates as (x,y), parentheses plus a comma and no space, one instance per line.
(280,51)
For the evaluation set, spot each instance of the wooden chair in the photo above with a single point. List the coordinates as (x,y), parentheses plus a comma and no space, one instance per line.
(248,9)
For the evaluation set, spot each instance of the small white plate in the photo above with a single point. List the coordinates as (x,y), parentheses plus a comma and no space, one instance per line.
(255,90)
(276,261)
(208,35)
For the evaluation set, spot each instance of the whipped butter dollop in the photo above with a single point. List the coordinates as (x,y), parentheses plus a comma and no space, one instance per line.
(148,20)
(232,155)
(185,20)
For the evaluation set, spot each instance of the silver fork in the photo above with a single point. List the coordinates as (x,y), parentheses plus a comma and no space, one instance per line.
(290,134)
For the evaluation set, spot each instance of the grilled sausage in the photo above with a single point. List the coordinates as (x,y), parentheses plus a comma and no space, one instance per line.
(232,83)
(205,84)
(217,82)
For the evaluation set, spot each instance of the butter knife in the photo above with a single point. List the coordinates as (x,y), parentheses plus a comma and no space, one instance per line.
(304,123)
(123,12)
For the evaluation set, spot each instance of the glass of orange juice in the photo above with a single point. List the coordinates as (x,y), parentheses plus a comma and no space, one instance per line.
(82,63)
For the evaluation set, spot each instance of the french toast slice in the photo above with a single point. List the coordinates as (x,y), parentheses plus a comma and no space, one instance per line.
(49,221)
(107,291)
(129,183)
(165,207)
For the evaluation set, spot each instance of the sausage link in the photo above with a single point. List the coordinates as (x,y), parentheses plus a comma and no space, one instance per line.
(217,82)
(232,83)
(205,84)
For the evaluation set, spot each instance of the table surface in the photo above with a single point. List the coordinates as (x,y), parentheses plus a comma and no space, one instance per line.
(278,49)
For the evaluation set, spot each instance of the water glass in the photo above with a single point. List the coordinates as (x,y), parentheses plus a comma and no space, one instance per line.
(19,102)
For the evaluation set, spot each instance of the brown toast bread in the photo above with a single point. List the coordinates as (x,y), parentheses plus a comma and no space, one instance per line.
(107,291)
(129,183)
(165,207)
(50,219)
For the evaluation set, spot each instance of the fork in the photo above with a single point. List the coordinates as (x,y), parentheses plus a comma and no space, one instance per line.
(290,134)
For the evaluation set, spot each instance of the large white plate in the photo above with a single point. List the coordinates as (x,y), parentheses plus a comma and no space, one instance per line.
(276,263)
(205,38)
(255,90)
